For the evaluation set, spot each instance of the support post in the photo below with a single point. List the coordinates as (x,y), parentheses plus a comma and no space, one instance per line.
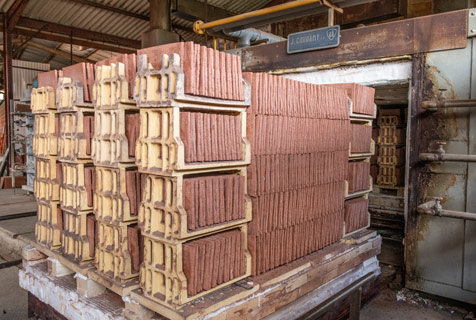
(355,300)
(7,81)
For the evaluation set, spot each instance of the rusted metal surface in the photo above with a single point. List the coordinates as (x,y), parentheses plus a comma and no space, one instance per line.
(438,32)
(417,92)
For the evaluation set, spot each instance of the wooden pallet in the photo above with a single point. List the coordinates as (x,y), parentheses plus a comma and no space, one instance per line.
(260,296)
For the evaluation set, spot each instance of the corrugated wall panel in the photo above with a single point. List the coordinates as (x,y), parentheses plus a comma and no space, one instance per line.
(24,72)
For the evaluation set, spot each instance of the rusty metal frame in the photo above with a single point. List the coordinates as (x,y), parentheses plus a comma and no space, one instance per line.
(414,165)
(391,39)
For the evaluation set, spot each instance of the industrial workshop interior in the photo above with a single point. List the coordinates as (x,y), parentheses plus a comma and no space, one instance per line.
(226,159)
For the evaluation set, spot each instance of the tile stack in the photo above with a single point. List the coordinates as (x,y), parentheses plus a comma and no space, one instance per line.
(118,186)
(49,224)
(192,147)
(391,157)
(362,147)
(300,144)
(76,130)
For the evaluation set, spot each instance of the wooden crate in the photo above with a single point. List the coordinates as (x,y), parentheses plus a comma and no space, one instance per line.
(361,130)
(77,187)
(162,275)
(164,145)
(391,176)
(111,88)
(115,135)
(49,224)
(163,212)
(70,96)
(45,136)
(47,179)
(117,251)
(42,100)
(117,194)
(391,155)
(356,181)
(75,135)
(166,86)
(356,207)
(78,237)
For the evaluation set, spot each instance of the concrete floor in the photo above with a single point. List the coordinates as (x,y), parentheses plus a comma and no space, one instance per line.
(13,299)
(386,307)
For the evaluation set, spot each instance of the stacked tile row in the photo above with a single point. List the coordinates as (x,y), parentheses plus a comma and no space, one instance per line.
(300,145)
(49,226)
(206,72)
(192,150)
(76,130)
(117,193)
(362,147)
(391,157)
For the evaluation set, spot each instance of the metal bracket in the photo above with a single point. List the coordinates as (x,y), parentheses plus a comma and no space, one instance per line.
(472,22)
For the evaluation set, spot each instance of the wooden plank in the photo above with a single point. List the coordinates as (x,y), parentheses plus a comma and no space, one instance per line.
(277,288)
(371,42)
(16,208)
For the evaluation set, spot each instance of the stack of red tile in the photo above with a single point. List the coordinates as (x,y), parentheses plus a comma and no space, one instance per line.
(209,72)
(360,138)
(213,260)
(358,176)
(130,67)
(300,144)
(362,97)
(84,73)
(210,136)
(213,199)
(356,214)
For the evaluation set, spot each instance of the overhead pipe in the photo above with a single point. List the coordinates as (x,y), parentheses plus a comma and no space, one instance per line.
(434,208)
(246,36)
(200,27)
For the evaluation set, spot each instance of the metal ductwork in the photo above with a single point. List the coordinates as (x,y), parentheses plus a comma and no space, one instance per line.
(246,36)
(160,25)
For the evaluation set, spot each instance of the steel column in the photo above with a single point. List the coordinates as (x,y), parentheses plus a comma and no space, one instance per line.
(7,80)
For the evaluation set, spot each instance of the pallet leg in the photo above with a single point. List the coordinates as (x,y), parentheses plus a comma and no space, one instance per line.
(57,269)
(354,312)
(87,287)
(32,256)
(134,311)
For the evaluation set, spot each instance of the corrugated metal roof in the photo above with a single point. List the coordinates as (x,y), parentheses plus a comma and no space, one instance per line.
(71,13)
(238,6)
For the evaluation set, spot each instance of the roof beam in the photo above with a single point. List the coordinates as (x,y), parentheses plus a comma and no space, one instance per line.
(14,13)
(80,42)
(77,32)
(58,52)
(111,9)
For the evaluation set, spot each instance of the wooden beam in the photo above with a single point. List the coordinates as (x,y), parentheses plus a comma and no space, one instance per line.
(58,52)
(111,9)
(77,32)
(64,39)
(391,39)
(14,13)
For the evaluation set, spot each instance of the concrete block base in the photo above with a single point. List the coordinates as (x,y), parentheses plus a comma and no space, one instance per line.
(57,269)
(87,287)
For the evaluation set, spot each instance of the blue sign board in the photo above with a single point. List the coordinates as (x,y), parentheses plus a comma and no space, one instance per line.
(316,39)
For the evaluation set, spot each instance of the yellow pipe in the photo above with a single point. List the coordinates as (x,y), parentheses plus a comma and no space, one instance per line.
(200,26)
